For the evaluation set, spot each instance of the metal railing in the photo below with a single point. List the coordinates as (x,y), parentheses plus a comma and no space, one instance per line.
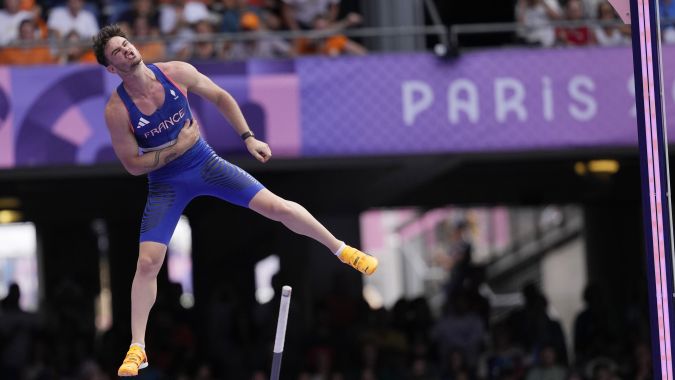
(436,29)
(456,31)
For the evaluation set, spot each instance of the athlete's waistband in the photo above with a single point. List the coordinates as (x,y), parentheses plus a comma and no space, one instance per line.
(154,148)
(201,150)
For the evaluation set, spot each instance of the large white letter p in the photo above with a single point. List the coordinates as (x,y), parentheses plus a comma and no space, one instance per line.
(412,107)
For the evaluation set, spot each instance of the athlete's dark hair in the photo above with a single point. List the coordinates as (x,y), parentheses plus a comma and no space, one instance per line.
(101,39)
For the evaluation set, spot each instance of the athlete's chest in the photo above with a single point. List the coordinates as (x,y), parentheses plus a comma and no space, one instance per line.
(153,99)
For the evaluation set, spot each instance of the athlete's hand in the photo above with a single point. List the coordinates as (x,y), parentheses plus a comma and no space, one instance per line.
(188,135)
(258,149)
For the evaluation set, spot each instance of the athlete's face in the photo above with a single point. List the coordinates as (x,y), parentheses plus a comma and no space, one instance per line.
(122,55)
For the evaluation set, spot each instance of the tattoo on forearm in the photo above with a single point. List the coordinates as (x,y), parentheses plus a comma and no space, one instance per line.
(154,164)
(170,157)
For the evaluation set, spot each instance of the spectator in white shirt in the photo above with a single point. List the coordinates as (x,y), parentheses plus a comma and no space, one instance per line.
(72,17)
(181,15)
(610,35)
(300,14)
(535,16)
(10,19)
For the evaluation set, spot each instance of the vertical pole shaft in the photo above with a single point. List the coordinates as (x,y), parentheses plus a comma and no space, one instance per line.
(655,179)
(281,332)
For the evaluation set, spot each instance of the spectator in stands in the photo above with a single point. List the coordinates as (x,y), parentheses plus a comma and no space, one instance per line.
(534,19)
(575,35)
(180,15)
(271,13)
(205,50)
(151,50)
(610,35)
(230,14)
(335,44)
(141,9)
(302,14)
(28,54)
(76,49)
(547,366)
(265,46)
(503,359)
(72,17)
(178,19)
(456,257)
(591,9)
(592,331)
(10,18)
(533,327)
(460,330)
(16,330)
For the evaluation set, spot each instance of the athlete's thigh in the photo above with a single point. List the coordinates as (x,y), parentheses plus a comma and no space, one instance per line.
(229,182)
(166,202)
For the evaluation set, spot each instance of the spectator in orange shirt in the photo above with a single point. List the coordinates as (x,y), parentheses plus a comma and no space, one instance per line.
(265,45)
(36,10)
(335,44)
(31,54)
(76,50)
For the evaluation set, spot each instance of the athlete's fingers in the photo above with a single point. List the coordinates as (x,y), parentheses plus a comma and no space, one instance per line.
(265,152)
(258,156)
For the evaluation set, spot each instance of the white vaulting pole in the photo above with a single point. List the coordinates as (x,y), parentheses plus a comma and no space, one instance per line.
(281,331)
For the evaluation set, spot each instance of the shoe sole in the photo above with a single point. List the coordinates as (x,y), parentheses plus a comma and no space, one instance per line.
(143,365)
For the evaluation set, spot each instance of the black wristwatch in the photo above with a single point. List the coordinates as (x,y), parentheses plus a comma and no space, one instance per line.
(246,135)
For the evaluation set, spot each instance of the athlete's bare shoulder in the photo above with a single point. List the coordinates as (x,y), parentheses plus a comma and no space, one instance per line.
(115,111)
(114,102)
(182,72)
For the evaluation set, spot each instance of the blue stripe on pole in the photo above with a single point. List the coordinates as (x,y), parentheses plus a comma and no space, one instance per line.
(276,365)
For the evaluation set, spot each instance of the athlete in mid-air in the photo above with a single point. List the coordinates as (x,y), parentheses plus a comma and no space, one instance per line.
(154,132)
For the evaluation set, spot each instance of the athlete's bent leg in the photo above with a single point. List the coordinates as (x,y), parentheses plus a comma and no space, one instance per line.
(143,295)
(299,220)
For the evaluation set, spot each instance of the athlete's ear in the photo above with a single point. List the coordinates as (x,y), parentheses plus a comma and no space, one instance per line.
(111,69)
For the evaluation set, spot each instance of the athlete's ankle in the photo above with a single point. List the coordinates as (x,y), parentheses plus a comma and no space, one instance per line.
(340,249)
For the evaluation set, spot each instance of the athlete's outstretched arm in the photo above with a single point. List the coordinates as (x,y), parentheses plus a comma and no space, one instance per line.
(203,86)
(126,147)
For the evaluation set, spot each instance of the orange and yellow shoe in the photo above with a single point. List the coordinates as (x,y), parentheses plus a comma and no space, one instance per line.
(358,260)
(135,360)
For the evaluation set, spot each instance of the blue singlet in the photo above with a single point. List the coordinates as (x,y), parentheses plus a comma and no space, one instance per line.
(199,171)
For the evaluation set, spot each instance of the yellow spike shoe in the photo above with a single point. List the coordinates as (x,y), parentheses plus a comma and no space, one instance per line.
(135,360)
(358,260)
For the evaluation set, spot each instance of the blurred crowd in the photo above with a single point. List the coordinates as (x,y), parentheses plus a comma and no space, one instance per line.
(338,338)
(53,31)
(536,19)
(59,31)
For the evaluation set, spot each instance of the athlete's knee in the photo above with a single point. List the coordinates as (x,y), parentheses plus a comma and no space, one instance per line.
(280,209)
(149,265)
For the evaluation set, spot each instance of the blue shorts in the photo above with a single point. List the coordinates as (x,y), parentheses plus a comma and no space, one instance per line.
(199,171)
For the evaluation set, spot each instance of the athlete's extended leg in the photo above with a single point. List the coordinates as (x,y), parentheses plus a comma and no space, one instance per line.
(299,220)
(231,183)
(143,295)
